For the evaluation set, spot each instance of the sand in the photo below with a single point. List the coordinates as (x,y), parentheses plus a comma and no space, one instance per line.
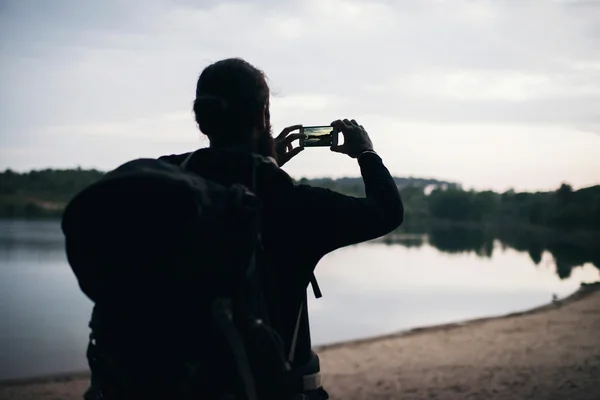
(549,353)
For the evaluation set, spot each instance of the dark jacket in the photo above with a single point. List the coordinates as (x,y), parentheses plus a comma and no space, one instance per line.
(302,223)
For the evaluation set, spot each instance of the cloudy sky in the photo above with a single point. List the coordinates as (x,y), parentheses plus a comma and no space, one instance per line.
(493,94)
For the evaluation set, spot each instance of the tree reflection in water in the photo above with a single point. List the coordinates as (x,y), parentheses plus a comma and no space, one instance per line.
(455,239)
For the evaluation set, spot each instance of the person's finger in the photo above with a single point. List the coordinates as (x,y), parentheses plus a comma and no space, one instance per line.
(292,137)
(354,122)
(294,152)
(338,124)
(287,130)
(290,147)
(347,123)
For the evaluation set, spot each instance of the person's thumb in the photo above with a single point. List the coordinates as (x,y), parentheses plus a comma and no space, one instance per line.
(338,149)
(295,151)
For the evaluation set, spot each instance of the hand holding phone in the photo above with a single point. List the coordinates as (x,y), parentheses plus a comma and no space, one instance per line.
(356,138)
(284,144)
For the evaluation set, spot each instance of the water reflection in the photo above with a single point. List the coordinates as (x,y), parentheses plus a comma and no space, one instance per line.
(32,241)
(566,255)
(456,240)
(370,289)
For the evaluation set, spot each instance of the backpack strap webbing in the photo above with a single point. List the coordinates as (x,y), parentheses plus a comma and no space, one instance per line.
(221,310)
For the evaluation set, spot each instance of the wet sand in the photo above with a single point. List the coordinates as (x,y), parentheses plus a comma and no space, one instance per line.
(549,353)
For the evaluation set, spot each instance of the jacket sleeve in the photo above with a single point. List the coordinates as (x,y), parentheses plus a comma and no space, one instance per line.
(333,220)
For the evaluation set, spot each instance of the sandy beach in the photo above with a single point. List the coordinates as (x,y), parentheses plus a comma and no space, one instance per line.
(549,353)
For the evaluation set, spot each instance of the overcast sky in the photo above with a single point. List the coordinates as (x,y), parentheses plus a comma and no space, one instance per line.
(493,94)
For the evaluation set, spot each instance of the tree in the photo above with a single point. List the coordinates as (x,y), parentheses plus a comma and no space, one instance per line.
(450,204)
(564,193)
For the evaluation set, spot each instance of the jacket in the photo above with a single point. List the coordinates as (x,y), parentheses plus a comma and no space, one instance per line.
(301,224)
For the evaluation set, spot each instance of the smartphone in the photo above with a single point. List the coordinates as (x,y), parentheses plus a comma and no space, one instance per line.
(318,136)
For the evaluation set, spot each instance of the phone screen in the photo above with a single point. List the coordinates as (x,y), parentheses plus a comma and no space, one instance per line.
(318,136)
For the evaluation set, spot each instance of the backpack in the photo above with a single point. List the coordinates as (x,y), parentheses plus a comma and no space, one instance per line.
(173,264)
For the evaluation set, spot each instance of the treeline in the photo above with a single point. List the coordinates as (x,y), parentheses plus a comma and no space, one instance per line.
(355,186)
(46,192)
(42,193)
(563,209)
(424,200)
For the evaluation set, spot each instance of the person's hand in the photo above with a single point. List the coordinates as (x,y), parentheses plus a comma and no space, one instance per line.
(283,144)
(356,139)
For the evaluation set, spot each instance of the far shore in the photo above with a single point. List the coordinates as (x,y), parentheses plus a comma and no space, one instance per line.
(550,352)
(416,229)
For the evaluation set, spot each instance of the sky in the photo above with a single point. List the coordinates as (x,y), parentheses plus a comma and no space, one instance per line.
(491,94)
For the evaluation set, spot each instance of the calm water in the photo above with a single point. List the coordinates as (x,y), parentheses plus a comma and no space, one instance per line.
(369,289)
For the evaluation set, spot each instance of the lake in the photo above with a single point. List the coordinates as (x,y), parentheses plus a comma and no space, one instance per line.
(369,289)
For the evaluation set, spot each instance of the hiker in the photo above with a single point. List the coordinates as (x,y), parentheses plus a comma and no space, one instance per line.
(232,110)
(158,244)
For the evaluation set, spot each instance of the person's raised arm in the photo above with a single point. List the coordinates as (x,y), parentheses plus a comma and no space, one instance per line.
(339,220)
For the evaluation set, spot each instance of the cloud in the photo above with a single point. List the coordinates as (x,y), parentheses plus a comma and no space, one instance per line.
(121,60)
(169,127)
(78,72)
(493,85)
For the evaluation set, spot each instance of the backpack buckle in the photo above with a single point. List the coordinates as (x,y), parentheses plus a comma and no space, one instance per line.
(312,381)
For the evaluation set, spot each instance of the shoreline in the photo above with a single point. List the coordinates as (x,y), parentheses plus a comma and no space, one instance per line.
(584,290)
(77,381)
(549,352)
(579,237)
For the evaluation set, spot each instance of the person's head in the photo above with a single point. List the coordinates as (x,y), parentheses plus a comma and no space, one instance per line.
(232,106)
